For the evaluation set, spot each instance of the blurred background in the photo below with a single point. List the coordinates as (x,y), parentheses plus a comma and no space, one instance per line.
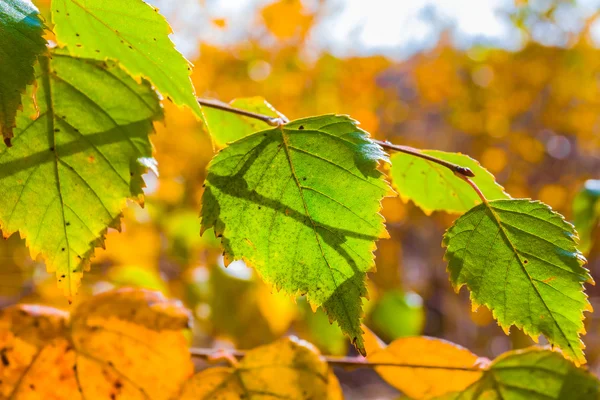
(512,83)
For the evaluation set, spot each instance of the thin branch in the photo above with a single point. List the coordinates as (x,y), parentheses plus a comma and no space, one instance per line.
(219,105)
(457,169)
(344,362)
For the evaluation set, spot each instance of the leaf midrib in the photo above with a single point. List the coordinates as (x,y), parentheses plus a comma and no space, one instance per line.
(314,226)
(515,251)
(45,65)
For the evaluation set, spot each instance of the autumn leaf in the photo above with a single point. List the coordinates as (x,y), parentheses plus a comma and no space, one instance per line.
(519,258)
(226,127)
(287,369)
(426,367)
(531,374)
(434,187)
(71,169)
(21,42)
(122,344)
(300,203)
(131,32)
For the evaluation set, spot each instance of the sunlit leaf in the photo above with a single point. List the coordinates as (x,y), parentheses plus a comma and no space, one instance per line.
(586,213)
(427,367)
(21,42)
(434,187)
(519,258)
(121,344)
(300,203)
(71,169)
(287,369)
(226,127)
(531,374)
(131,32)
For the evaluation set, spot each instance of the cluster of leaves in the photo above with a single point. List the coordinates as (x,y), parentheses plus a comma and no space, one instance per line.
(299,202)
(132,344)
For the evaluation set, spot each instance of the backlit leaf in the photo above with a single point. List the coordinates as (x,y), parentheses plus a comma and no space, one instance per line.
(287,369)
(427,367)
(300,203)
(21,42)
(71,169)
(586,213)
(531,374)
(120,344)
(434,187)
(519,258)
(226,127)
(131,32)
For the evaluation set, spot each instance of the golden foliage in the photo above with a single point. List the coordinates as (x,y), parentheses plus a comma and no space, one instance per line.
(123,344)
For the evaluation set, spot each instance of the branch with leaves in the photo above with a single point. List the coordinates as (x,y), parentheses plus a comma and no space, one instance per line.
(297,200)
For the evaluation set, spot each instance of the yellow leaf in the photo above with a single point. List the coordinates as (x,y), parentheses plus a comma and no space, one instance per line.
(124,344)
(427,367)
(287,369)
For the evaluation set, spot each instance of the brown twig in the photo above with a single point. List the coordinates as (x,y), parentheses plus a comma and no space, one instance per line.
(273,121)
(219,105)
(344,362)
(457,169)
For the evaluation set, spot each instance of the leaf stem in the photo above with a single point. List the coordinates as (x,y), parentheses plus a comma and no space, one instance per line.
(474,186)
(273,121)
(344,362)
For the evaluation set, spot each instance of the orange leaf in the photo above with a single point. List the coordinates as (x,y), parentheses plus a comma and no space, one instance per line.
(122,344)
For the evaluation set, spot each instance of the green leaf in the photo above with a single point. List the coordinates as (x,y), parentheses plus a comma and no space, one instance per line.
(531,374)
(226,127)
(71,169)
(300,203)
(519,258)
(132,33)
(586,213)
(434,187)
(398,314)
(21,42)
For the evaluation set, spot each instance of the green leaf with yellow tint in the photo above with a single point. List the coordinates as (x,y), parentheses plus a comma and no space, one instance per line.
(531,374)
(519,258)
(21,42)
(72,167)
(287,369)
(226,127)
(434,187)
(121,344)
(300,203)
(131,32)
